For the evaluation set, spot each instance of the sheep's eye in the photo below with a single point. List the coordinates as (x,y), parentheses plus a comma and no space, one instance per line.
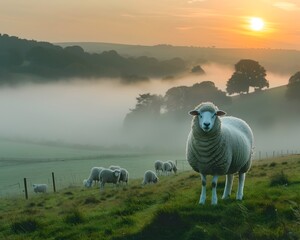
(214,115)
(200,115)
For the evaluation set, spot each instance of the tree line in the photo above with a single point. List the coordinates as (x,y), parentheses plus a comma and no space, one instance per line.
(43,59)
(177,101)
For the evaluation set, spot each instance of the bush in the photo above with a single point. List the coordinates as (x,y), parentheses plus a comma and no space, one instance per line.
(279,179)
(25,226)
(75,217)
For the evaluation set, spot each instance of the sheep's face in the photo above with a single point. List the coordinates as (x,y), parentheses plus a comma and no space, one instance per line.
(206,119)
(117,173)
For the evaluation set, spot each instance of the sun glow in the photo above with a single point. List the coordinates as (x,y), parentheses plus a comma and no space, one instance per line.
(256,24)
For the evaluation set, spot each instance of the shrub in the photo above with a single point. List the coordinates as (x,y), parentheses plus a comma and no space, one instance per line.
(279,179)
(25,226)
(74,217)
(272,164)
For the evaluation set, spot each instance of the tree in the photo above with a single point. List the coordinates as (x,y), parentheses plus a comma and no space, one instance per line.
(147,109)
(293,87)
(183,99)
(197,70)
(248,73)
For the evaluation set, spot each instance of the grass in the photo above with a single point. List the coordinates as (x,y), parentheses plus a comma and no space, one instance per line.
(167,210)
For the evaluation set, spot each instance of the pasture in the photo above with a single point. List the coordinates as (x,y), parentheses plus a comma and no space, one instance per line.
(71,165)
(167,210)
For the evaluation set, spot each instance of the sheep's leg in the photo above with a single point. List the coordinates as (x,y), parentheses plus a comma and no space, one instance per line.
(203,189)
(228,186)
(101,186)
(239,195)
(214,197)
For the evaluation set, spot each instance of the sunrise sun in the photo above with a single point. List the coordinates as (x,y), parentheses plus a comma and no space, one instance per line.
(256,24)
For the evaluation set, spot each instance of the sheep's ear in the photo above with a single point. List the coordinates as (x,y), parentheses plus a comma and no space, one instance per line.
(194,113)
(220,113)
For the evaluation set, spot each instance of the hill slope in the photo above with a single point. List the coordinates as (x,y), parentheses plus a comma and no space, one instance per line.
(167,210)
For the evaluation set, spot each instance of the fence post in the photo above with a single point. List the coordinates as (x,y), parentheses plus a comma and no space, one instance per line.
(53,181)
(25,188)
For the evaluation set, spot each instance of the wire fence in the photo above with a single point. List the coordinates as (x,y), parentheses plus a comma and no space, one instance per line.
(63,179)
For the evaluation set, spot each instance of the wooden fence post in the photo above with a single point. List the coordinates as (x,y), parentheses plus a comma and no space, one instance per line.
(25,188)
(53,181)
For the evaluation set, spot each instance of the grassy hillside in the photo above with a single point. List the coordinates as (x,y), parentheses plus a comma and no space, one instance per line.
(167,210)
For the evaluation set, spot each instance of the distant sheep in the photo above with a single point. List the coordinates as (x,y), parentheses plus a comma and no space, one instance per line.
(113,167)
(174,167)
(40,188)
(124,177)
(150,177)
(219,146)
(158,165)
(167,168)
(109,176)
(94,176)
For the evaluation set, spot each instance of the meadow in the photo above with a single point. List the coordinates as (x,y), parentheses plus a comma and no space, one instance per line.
(167,210)
(36,162)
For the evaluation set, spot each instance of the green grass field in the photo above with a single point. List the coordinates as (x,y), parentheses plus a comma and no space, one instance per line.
(167,210)
(36,162)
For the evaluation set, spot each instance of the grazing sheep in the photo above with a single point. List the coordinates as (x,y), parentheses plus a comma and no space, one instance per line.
(113,167)
(40,188)
(124,176)
(167,168)
(109,176)
(150,177)
(158,165)
(219,146)
(174,167)
(94,176)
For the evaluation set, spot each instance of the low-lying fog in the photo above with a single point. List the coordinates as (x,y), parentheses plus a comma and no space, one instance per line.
(87,112)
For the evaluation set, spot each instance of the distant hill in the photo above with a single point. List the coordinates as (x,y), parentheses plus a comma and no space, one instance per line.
(43,61)
(275,60)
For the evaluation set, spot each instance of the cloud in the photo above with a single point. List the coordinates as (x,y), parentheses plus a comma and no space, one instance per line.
(287,6)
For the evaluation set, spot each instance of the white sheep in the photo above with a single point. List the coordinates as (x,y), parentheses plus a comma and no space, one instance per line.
(158,165)
(40,188)
(174,167)
(167,168)
(219,146)
(94,176)
(109,176)
(150,177)
(124,177)
(113,167)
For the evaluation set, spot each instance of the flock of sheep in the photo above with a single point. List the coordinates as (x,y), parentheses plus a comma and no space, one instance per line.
(216,145)
(117,175)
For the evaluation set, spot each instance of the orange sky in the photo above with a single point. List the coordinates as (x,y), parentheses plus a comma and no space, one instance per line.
(203,23)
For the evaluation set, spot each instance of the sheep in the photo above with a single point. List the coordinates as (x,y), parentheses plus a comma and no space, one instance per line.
(219,146)
(109,176)
(158,165)
(174,167)
(94,176)
(167,168)
(150,177)
(113,167)
(124,175)
(40,188)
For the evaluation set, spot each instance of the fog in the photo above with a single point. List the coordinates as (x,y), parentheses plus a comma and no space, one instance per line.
(92,111)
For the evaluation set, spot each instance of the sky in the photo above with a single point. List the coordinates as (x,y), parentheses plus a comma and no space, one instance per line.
(201,23)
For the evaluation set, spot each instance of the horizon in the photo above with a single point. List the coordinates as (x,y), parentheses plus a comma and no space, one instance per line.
(198,23)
